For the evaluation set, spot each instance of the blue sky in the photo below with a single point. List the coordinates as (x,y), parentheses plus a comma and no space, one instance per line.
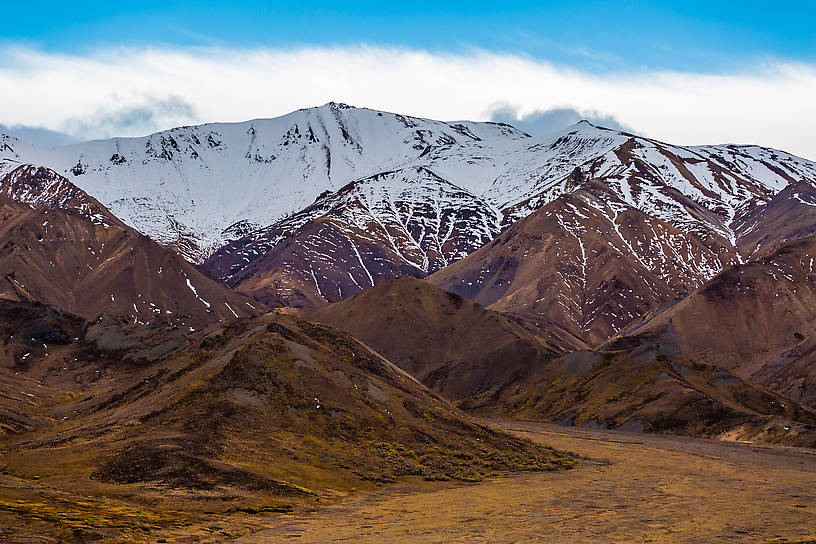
(687,72)
(613,35)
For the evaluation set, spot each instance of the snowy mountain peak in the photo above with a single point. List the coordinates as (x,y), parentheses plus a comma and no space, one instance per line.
(199,187)
(188,186)
(337,105)
(584,123)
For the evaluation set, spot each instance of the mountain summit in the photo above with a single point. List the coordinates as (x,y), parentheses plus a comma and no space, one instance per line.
(198,187)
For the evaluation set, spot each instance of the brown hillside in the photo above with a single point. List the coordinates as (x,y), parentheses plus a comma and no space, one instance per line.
(587,261)
(653,388)
(746,316)
(261,415)
(495,368)
(447,342)
(63,259)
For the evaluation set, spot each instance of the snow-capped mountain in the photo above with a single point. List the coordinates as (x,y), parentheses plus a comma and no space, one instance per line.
(587,262)
(700,192)
(631,228)
(324,202)
(199,187)
(699,189)
(404,222)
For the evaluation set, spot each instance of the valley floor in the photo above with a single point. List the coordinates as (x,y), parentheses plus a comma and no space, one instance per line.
(629,488)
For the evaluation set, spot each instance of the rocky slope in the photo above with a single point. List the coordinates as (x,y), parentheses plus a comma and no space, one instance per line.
(792,372)
(788,215)
(92,266)
(588,261)
(755,319)
(406,222)
(653,388)
(43,188)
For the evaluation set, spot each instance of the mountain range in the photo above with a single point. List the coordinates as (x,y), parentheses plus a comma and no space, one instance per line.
(492,366)
(245,304)
(196,188)
(588,229)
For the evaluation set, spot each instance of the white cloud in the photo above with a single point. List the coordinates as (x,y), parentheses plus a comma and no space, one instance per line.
(144,117)
(554,119)
(39,135)
(772,105)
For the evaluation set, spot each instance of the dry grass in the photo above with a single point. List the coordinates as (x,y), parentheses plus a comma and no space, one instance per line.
(630,488)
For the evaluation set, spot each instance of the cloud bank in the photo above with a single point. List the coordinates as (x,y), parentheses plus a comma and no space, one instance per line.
(126,91)
(541,122)
(143,117)
(39,135)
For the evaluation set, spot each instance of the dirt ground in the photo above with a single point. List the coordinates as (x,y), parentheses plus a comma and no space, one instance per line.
(630,488)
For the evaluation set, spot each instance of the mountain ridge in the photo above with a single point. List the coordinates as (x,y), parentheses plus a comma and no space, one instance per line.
(285,162)
(62,247)
(706,192)
(513,172)
(589,227)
